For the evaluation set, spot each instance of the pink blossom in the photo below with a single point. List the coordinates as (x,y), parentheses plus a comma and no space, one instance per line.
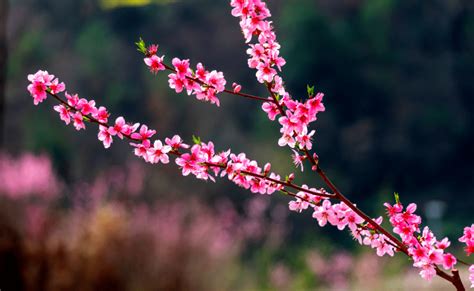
(469,249)
(286,139)
(298,160)
(315,104)
(158,153)
(208,94)
(216,80)
(258,186)
(443,244)
(189,162)
(427,272)
(38,91)
(181,67)
(78,121)
(353,219)
(449,261)
(278,85)
(435,256)
(324,213)
(130,128)
(176,83)
(72,100)
(393,210)
(271,109)
(152,49)
(265,72)
(87,107)
(419,253)
(468,234)
(141,150)
(304,139)
(64,113)
(176,142)
(104,136)
(383,247)
(119,127)
(155,63)
(303,200)
(144,133)
(101,114)
(201,72)
(55,87)
(290,123)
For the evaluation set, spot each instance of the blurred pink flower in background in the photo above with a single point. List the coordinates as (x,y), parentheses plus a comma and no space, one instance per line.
(27,175)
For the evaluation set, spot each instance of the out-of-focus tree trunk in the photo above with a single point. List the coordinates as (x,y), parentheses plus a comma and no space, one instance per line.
(3,64)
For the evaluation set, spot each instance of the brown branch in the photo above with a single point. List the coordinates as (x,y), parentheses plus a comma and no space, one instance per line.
(453,279)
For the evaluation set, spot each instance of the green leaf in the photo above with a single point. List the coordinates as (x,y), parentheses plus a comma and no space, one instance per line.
(141,46)
(310,90)
(196,139)
(397,197)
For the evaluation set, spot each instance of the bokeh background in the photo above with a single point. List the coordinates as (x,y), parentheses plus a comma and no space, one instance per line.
(399,80)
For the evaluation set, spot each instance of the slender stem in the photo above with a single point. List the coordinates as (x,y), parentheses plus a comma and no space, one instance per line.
(463,262)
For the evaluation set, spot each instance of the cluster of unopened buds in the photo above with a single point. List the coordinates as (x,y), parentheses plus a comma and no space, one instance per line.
(202,160)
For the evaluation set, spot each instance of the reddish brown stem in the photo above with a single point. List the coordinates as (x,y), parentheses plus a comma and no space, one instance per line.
(453,279)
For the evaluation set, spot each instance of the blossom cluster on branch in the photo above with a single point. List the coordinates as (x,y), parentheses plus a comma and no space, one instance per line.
(425,250)
(294,116)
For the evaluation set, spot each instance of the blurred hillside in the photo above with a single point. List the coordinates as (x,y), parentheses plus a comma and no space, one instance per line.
(398,78)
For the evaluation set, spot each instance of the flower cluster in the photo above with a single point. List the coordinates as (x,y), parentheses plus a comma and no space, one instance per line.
(341,216)
(265,54)
(425,250)
(78,110)
(265,57)
(203,84)
(468,239)
(40,83)
(202,160)
(296,119)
